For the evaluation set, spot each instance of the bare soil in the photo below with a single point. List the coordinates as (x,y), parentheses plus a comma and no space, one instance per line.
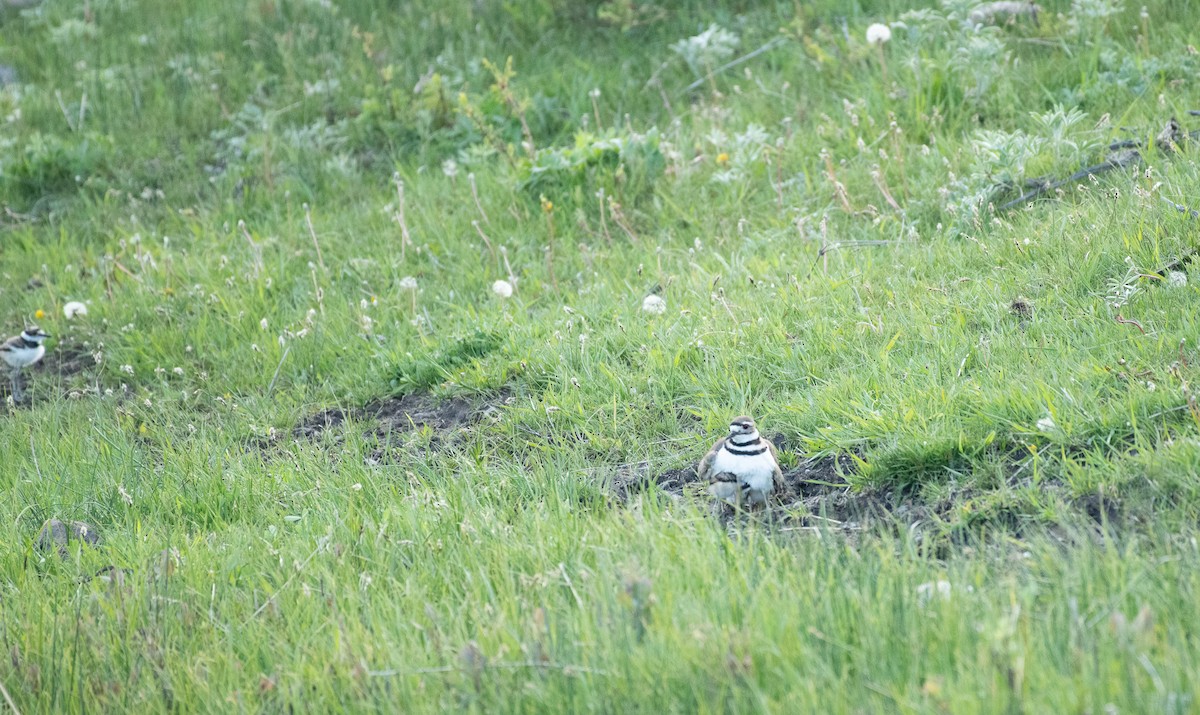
(397,415)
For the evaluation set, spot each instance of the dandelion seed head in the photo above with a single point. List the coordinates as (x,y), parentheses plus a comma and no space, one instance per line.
(654,304)
(74,308)
(502,288)
(878,33)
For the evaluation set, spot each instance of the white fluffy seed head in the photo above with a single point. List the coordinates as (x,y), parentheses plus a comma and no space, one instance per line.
(878,33)
(503,289)
(73,309)
(654,304)
(408,283)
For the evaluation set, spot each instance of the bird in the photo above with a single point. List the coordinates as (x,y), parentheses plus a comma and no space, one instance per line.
(742,468)
(21,351)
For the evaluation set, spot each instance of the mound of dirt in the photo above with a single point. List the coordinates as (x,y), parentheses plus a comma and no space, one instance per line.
(816,493)
(397,415)
(65,359)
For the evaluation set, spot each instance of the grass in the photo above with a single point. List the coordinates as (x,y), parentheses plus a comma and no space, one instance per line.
(274,209)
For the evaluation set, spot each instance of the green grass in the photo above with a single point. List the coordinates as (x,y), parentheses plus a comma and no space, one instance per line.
(245,194)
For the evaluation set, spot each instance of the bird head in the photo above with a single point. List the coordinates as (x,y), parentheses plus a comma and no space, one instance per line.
(34,334)
(739,426)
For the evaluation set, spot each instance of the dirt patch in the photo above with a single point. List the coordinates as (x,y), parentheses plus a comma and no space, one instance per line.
(65,360)
(398,415)
(815,492)
(1100,508)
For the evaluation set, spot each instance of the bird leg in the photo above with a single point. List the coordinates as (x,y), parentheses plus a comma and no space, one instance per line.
(18,393)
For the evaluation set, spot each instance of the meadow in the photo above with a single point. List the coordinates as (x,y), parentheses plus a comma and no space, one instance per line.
(405,325)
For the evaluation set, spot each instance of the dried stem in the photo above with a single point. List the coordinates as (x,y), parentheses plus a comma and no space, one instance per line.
(313,232)
(603,220)
(405,238)
(548,210)
(615,209)
(837,185)
(255,249)
(877,177)
(486,242)
(475,195)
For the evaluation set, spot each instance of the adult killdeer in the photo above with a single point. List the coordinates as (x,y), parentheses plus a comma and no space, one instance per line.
(21,351)
(742,468)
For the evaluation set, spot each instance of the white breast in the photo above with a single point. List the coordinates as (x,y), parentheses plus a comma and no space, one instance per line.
(757,471)
(22,356)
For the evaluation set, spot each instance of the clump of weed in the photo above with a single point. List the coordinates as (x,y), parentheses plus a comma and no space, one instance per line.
(610,159)
(702,53)
(1004,161)
(627,14)
(425,372)
(48,165)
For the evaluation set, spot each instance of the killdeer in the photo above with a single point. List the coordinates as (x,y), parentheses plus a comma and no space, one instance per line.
(21,351)
(742,468)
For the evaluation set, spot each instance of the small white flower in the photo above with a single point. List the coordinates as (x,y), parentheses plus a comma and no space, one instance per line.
(878,33)
(1046,424)
(408,283)
(76,308)
(938,589)
(926,591)
(127,369)
(1176,279)
(654,305)
(503,289)
(450,168)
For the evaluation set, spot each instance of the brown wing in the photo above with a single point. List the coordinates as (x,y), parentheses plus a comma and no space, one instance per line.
(11,343)
(779,485)
(704,469)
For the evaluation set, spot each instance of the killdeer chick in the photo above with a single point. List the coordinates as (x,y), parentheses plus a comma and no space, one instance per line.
(21,351)
(742,468)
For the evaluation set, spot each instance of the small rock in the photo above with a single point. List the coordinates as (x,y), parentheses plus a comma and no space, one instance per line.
(1176,279)
(58,534)
(1171,136)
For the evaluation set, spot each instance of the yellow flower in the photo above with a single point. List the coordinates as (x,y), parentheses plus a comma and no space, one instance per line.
(39,314)
(547,205)
(723,158)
